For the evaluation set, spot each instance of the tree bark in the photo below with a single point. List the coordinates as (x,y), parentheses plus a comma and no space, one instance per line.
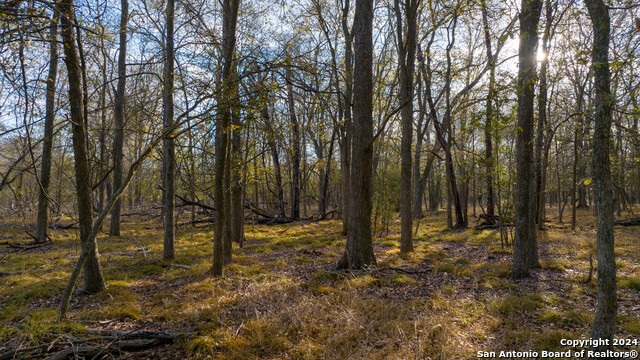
(345,146)
(47,144)
(406,43)
(237,186)
(225,90)
(540,165)
(93,278)
(606,309)
(525,253)
(295,153)
(488,126)
(359,249)
(169,163)
(273,147)
(119,103)
(418,182)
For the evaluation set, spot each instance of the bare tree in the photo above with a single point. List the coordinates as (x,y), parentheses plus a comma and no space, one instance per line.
(406,43)
(525,252)
(47,144)
(229,22)
(605,320)
(93,279)
(359,250)
(169,160)
(119,103)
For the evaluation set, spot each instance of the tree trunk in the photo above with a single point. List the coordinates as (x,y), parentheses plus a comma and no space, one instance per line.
(542,120)
(295,152)
(488,126)
(271,141)
(47,144)
(225,89)
(574,179)
(169,163)
(452,183)
(418,182)
(605,319)
(406,59)
(324,181)
(345,146)
(94,280)
(237,186)
(359,249)
(119,102)
(525,253)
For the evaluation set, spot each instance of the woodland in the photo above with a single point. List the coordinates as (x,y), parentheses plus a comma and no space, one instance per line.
(319,179)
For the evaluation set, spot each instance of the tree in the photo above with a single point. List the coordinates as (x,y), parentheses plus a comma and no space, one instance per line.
(169,159)
(525,252)
(93,278)
(47,145)
(295,152)
(406,43)
(359,249)
(119,103)
(488,126)
(606,309)
(225,91)
(346,133)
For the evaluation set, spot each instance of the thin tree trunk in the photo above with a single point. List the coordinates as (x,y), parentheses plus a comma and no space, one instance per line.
(488,126)
(454,194)
(418,181)
(277,172)
(119,103)
(345,147)
(295,166)
(542,120)
(574,179)
(237,186)
(229,20)
(606,309)
(327,173)
(406,45)
(169,164)
(47,144)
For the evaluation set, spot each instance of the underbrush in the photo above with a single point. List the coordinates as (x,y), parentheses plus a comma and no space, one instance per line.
(282,298)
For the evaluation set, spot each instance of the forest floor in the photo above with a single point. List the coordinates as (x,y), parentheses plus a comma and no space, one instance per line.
(282,299)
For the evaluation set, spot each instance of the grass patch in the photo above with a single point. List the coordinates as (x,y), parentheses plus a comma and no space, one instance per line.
(627,282)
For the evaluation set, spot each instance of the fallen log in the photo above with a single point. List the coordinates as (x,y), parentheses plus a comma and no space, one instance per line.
(491,226)
(272,221)
(211,219)
(627,222)
(91,352)
(101,343)
(29,246)
(135,334)
(187,202)
(256,210)
(7,273)
(66,227)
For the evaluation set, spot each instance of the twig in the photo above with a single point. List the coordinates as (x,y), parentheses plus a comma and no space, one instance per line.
(144,252)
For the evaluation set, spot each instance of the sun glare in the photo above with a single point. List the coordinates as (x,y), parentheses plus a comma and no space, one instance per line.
(541,55)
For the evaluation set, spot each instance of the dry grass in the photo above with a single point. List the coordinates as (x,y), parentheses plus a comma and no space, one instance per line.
(281,297)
